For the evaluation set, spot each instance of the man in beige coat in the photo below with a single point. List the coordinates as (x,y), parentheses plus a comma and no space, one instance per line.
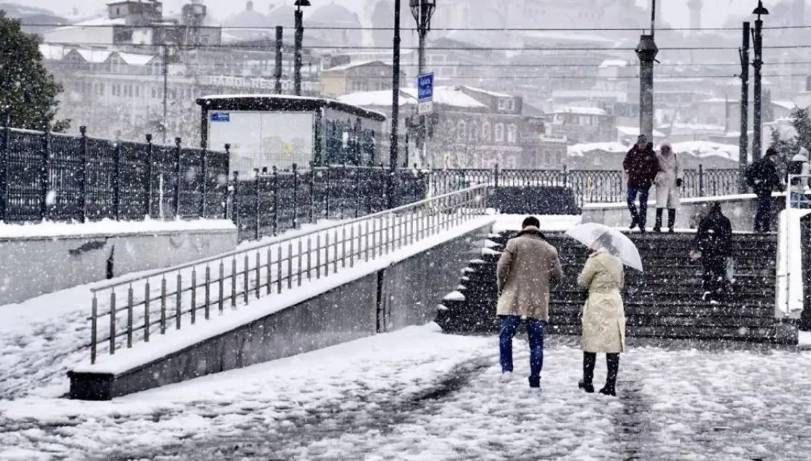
(526,270)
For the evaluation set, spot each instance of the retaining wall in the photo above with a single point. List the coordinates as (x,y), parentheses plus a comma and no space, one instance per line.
(32,266)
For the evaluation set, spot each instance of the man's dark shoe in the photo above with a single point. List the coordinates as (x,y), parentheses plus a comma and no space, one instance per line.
(589,388)
(534,382)
(634,223)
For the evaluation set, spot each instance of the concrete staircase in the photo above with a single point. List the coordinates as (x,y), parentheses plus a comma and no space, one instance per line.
(663,302)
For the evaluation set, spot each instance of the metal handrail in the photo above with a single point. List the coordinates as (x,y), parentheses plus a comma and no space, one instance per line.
(257,271)
(343,223)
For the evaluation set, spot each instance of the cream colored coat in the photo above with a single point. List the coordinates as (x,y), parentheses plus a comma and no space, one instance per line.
(668,194)
(603,314)
(526,270)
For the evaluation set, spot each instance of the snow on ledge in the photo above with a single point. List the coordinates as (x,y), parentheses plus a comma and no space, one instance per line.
(684,201)
(161,346)
(109,227)
(550,223)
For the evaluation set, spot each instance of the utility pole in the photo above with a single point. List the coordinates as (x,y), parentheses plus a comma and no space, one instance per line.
(647,51)
(299,17)
(422,10)
(757,136)
(743,157)
(165,91)
(395,104)
(279,44)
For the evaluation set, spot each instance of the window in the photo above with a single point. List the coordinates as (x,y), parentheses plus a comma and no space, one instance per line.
(474,132)
(486,131)
(499,132)
(461,131)
(512,134)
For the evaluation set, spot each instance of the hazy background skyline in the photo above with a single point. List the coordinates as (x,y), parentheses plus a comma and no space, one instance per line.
(675,12)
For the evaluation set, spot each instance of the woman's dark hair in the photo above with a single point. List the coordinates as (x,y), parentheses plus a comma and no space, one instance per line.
(605,241)
(531,221)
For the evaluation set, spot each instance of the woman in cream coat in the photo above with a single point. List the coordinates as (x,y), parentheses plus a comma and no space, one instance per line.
(668,187)
(603,314)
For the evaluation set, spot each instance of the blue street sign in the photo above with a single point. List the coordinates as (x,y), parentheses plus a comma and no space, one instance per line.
(425,87)
(220,117)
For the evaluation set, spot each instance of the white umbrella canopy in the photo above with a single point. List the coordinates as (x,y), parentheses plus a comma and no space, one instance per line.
(595,236)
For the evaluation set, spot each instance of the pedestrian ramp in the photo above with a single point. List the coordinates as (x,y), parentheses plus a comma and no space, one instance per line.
(352,279)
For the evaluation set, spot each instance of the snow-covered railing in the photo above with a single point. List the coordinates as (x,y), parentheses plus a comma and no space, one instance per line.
(141,306)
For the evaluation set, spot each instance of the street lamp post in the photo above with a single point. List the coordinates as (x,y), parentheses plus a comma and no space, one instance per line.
(299,17)
(647,51)
(757,135)
(395,105)
(423,11)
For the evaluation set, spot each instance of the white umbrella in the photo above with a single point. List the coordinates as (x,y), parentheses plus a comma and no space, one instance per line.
(595,236)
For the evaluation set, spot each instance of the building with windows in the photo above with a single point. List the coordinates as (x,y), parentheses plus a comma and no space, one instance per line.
(583,124)
(471,128)
(357,77)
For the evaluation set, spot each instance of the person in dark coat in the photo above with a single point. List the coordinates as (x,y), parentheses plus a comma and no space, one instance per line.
(713,240)
(762,177)
(641,167)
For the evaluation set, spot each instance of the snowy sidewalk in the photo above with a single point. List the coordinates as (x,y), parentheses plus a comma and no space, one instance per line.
(421,394)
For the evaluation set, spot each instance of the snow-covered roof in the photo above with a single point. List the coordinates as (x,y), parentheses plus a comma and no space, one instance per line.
(613,63)
(101,21)
(93,56)
(707,149)
(380,98)
(580,110)
(136,59)
(579,150)
(353,65)
(784,104)
(634,131)
(487,92)
(52,52)
(452,96)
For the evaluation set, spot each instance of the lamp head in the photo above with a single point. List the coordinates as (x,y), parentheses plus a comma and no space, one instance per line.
(300,3)
(760,10)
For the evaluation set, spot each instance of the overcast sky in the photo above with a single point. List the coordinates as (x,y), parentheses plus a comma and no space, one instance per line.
(675,11)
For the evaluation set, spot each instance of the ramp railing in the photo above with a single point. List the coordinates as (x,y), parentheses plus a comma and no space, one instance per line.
(165,302)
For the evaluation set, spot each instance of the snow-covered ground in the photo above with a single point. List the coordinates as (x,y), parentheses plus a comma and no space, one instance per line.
(421,394)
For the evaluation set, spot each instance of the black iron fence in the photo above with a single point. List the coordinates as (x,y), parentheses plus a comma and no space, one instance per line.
(589,186)
(274,201)
(55,177)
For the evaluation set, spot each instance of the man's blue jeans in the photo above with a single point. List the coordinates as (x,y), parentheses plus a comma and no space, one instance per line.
(535,330)
(641,215)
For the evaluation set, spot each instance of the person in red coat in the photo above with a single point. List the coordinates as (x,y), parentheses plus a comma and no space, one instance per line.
(640,167)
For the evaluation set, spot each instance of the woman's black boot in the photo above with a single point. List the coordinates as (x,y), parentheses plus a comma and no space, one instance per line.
(613,362)
(657,227)
(589,358)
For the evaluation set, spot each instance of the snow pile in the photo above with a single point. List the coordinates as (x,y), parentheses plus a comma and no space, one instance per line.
(580,150)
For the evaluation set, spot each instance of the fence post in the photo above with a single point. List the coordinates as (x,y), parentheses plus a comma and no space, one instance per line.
(275,189)
(256,209)
(700,180)
(176,198)
(45,173)
(342,190)
(565,176)
(148,185)
(295,196)
(4,169)
(235,202)
(326,194)
(227,165)
(117,180)
(312,193)
(358,195)
(204,185)
(83,175)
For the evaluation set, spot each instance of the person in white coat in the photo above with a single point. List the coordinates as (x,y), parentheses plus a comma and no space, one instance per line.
(668,184)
